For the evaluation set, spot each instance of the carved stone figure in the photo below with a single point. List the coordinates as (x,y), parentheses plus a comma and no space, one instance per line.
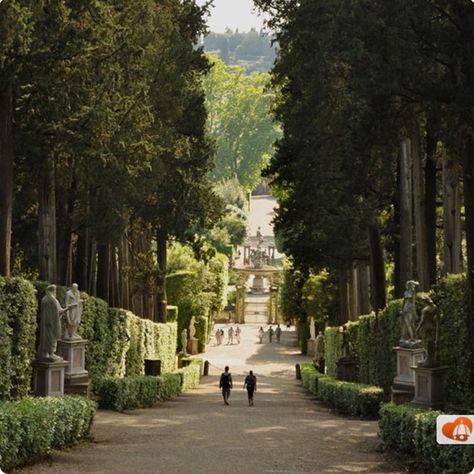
(50,325)
(319,348)
(428,331)
(192,329)
(184,340)
(408,314)
(260,239)
(312,329)
(73,314)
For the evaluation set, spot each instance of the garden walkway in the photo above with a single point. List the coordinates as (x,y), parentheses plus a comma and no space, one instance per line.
(286,431)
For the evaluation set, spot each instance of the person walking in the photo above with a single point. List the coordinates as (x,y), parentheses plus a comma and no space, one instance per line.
(251,384)
(225,383)
(237,334)
(278,333)
(230,336)
(270,334)
(261,334)
(218,337)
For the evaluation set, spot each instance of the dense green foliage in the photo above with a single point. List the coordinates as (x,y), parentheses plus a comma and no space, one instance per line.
(18,309)
(30,428)
(412,431)
(251,50)
(128,393)
(348,398)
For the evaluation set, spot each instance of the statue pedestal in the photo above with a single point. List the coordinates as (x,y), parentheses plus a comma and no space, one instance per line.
(346,369)
(192,346)
(407,359)
(258,284)
(73,351)
(429,390)
(311,348)
(48,378)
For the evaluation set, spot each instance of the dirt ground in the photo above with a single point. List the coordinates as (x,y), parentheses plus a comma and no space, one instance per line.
(287,431)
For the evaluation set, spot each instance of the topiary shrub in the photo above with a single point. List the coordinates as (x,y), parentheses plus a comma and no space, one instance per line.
(412,431)
(19,305)
(5,356)
(172,314)
(191,374)
(310,377)
(29,428)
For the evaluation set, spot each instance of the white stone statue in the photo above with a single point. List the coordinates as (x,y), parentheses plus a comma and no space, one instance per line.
(74,312)
(319,346)
(408,314)
(50,325)
(192,329)
(184,340)
(312,329)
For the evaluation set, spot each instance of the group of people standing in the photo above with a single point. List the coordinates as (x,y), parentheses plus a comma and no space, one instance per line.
(226,385)
(271,332)
(231,333)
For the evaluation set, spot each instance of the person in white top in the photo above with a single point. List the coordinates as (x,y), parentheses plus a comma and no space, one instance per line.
(237,334)
(230,335)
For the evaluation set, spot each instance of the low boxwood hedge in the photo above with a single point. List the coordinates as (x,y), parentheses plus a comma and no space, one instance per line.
(349,398)
(31,427)
(128,393)
(412,431)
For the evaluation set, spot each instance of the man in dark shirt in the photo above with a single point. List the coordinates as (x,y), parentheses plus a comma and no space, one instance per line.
(225,384)
(251,384)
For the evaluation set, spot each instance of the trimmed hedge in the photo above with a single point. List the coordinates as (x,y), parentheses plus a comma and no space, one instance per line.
(30,428)
(345,397)
(18,309)
(412,431)
(128,393)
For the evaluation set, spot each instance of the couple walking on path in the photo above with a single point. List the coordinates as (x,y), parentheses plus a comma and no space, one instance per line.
(226,385)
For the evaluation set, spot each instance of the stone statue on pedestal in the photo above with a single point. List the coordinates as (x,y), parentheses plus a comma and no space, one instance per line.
(319,348)
(428,331)
(184,340)
(73,314)
(312,329)
(408,316)
(192,329)
(50,325)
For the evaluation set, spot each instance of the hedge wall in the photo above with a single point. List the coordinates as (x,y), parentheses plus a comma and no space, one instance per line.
(128,393)
(18,309)
(30,428)
(412,431)
(348,398)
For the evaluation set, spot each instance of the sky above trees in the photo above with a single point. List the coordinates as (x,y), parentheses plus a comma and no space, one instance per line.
(233,14)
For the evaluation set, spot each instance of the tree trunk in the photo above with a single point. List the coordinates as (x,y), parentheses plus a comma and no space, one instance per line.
(396,279)
(6,178)
(406,221)
(161,310)
(468,174)
(363,286)
(124,264)
(103,271)
(92,266)
(452,249)
(377,267)
(343,297)
(419,207)
(47,224)
(430,205)
(81,268)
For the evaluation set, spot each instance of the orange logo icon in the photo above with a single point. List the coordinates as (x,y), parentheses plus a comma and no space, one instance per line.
(458,430)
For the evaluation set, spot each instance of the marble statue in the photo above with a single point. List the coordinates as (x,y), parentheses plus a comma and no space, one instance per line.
(427,329)
(50,325)
(73,314)
(260,239)
(319,347)
(192,328)
(408,314)
(312,329)
(184,340)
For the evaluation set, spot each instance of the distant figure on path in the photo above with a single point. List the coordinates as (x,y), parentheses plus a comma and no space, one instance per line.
(270,334)
(230,335)
(225,384)
(261,334)
(237,334)
(288,324)
(251,385)
(278,333)
(218,337)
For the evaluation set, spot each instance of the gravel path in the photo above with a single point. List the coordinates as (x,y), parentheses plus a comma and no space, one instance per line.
(286,431)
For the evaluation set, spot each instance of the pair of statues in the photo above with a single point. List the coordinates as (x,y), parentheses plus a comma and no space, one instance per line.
(423,332)
(50,321)
(184,334)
